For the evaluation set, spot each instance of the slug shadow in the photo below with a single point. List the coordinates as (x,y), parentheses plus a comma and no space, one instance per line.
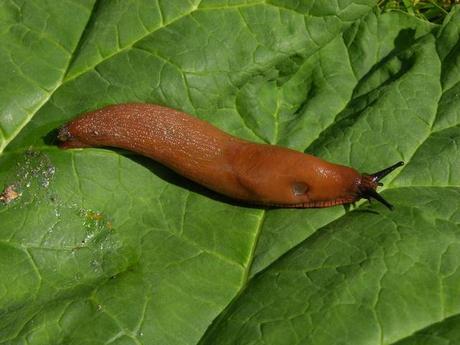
(51,138)
(174,178)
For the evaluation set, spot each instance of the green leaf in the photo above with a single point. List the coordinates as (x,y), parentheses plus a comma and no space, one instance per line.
(100,246)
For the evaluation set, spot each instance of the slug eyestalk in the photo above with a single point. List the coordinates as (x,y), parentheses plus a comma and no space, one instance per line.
(370,182)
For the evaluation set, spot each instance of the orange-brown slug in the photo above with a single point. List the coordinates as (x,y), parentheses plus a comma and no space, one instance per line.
(255,173)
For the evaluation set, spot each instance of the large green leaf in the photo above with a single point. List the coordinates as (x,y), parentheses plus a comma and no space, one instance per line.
(104,247)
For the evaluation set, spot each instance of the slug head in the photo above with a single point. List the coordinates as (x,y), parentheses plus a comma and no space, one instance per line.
(370,182)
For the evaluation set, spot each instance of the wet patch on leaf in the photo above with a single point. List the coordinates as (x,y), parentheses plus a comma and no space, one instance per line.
(31,180)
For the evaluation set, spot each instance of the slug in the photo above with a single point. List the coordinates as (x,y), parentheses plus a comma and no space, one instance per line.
(255,173)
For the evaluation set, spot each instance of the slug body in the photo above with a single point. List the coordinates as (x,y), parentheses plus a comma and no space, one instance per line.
(256,173)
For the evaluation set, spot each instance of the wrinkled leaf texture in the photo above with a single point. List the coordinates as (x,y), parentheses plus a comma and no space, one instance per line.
(105,247)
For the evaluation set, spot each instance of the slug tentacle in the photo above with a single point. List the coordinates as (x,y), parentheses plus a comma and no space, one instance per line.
(371,193)
(382,173)
(369,183)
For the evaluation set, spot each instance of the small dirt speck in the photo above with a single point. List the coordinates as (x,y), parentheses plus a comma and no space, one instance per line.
(9,194)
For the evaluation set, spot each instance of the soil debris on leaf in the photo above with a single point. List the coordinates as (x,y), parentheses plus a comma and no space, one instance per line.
(9,194)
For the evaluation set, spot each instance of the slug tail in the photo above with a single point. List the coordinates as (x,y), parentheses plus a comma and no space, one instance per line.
(64,133)
(67,140)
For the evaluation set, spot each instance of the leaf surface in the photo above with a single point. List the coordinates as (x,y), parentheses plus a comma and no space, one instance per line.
(100,246)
